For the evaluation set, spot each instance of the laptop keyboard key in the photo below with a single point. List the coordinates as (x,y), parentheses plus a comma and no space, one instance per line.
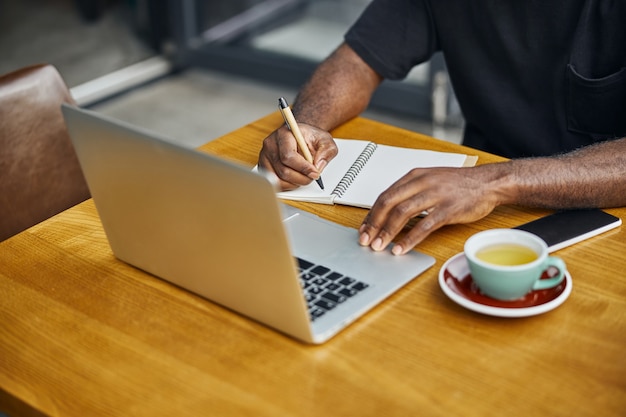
(320,270)
(334,276)
(347,281)
(316,313)
(315,290)
(325,304)
(319,282)
(348,292)
(359,286)
(302,264)
(334,297)
(307,276)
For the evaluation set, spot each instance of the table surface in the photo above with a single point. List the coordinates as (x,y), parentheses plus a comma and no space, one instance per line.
(83,334)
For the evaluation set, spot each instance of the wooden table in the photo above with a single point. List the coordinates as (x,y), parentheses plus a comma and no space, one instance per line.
(83,334)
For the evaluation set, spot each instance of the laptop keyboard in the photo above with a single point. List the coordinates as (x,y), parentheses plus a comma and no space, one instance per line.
(324,288)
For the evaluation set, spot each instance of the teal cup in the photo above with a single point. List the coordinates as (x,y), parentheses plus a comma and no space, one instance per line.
(507,264)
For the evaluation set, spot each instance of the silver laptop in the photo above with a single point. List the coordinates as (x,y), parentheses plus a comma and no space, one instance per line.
(217,229)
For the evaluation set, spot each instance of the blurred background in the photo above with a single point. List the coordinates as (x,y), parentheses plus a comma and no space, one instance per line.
(195,70)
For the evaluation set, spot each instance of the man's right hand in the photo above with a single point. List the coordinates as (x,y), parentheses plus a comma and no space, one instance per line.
(280,155)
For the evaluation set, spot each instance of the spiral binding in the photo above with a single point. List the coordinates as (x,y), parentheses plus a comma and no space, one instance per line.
(354,170)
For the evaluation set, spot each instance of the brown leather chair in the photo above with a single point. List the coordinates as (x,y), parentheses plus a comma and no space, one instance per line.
(39,172)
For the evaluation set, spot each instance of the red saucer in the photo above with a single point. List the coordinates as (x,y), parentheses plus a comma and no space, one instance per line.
(456,281)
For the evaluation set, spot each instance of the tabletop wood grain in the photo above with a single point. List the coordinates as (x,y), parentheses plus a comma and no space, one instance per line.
(83,334)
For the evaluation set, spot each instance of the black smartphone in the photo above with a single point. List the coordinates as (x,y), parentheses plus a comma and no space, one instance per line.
(564,228)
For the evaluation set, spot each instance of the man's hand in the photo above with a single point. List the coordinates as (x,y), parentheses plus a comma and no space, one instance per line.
(280,155)
(449,195)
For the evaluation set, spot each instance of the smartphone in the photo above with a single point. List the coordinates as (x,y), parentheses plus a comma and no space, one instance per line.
(567,227)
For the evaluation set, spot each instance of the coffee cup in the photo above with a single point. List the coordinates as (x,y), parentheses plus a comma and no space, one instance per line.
(507,264)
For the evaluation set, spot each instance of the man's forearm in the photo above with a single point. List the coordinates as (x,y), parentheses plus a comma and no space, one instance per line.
(339,89)
(594,176)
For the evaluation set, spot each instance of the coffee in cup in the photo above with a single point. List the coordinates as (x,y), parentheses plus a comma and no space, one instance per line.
(507,264)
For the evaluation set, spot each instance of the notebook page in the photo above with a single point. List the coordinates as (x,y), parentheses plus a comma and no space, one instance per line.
(387,165)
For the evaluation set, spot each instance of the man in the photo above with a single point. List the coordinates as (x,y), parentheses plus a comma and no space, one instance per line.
(543,82)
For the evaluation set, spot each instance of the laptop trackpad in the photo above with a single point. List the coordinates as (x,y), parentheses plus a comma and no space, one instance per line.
(311,235)
(316,239)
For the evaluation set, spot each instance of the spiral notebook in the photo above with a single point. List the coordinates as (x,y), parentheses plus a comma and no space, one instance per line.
(362,170)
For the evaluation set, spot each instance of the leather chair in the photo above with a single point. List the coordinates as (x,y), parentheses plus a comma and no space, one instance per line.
(39,172)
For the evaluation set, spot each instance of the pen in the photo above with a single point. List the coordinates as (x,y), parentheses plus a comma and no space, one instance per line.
(290,121)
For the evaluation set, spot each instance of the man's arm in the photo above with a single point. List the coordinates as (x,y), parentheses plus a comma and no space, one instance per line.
(339,89)
(594,176)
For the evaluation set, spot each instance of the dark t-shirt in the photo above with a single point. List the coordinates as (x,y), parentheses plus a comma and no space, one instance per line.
(533,77)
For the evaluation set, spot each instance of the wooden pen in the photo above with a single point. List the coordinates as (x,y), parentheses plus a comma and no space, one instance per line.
(291,123)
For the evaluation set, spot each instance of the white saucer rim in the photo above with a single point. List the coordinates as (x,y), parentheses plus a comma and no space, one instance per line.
(501,311)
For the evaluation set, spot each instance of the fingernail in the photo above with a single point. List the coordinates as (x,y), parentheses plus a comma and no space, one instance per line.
(321,164)
(397,250)
(364,239)
(377,244)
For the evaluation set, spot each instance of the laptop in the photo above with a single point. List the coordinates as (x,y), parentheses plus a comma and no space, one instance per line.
(217,229)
